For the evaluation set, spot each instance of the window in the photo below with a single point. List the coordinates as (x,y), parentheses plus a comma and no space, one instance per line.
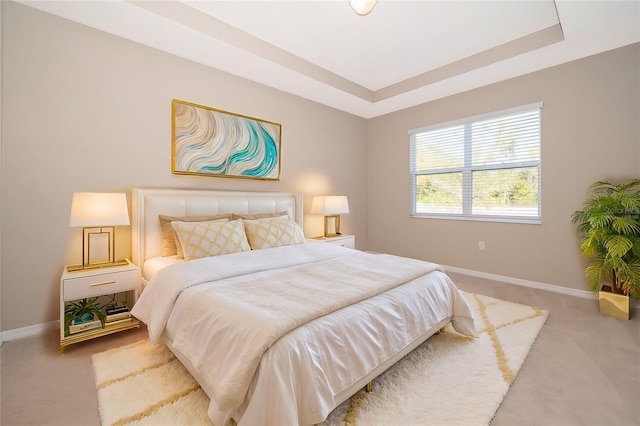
(485,167)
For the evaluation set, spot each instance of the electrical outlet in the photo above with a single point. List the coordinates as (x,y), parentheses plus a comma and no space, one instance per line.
(480,245)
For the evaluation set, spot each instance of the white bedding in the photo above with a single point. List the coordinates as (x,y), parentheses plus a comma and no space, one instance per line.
(310,369)
(153,265)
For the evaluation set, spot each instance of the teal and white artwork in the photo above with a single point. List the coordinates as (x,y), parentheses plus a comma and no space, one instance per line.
(210,142)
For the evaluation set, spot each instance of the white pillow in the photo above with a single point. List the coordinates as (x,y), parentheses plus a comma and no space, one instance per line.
(273,232)
(211,238)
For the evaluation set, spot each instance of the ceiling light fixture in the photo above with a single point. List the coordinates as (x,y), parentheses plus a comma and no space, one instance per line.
(363,7)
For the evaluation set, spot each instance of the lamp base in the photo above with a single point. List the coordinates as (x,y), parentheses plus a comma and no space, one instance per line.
(91,266)
(336,225)
(327,236)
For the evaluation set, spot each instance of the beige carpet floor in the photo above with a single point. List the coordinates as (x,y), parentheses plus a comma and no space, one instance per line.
(584,369)
(449,380)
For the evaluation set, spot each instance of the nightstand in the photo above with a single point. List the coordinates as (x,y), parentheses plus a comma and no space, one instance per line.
(118,284)
(348,241)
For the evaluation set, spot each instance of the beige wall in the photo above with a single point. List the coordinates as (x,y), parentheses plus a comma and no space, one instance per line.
(88,111)
(590,132)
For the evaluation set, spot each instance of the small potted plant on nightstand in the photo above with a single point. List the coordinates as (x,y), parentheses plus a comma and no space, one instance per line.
(610,226)
(82,311)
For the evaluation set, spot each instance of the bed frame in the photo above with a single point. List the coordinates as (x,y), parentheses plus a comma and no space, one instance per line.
(147,204)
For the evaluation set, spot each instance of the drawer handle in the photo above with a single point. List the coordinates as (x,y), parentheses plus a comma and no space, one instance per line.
(104,283)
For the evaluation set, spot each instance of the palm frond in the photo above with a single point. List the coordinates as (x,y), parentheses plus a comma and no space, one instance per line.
(618,245)
(595,275)
(626,225)
(601,219)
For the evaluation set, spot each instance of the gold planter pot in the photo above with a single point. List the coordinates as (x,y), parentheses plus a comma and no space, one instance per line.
(614,305)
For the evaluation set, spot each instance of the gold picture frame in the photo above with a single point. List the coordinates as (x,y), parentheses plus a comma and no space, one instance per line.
(210,142)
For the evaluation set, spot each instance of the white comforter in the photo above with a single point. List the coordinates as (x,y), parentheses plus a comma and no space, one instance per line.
(228,312)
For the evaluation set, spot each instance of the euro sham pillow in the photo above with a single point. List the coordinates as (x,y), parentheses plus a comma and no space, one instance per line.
(170,245)
(273,232)
(212,238)
(235,216)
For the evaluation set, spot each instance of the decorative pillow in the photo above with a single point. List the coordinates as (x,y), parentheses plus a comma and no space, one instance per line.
(170,245)
(235,216)
(273,232)
(212,238)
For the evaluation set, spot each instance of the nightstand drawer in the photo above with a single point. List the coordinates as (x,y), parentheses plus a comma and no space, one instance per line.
(348,241)
(96,285)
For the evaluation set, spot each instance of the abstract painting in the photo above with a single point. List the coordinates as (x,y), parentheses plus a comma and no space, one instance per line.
(210,142)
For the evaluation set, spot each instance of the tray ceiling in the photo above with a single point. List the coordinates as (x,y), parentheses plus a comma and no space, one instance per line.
(402,54)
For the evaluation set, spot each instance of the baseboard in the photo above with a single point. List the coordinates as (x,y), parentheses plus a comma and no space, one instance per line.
(532,284)
(29,331)
(37,329)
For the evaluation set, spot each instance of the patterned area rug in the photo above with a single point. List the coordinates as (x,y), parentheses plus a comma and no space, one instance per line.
(448,380)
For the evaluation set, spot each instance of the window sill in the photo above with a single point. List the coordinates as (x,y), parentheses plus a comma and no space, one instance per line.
(505,219)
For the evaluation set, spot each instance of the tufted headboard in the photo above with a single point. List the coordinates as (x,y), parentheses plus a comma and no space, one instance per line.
(147,204)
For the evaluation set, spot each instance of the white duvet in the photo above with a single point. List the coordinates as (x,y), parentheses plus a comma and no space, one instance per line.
(276,336)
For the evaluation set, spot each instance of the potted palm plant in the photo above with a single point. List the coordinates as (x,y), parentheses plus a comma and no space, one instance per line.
(83,310)
(609,223)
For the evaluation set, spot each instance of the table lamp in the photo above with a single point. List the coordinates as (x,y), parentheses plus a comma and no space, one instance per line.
(98,214)
(331,207)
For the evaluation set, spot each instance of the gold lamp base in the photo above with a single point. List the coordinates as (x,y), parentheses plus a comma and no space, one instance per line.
(336,225)
(89,267)
(105,238)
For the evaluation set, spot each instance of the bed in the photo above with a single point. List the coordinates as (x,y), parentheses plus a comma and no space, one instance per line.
(282,332)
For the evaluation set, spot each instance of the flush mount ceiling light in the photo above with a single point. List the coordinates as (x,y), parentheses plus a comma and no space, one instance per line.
(363,7)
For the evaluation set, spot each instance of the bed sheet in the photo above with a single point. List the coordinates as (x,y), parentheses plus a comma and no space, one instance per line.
(153,265)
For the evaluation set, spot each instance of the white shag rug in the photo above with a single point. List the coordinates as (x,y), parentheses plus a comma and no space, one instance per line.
(448,380)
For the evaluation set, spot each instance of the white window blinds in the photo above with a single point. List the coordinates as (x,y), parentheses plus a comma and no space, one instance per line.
(485,167)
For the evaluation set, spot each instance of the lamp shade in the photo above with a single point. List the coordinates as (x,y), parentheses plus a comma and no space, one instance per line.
(91,209)
(335,204)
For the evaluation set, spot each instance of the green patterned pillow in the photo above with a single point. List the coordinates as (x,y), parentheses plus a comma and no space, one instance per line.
(273,232)
(212,238)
